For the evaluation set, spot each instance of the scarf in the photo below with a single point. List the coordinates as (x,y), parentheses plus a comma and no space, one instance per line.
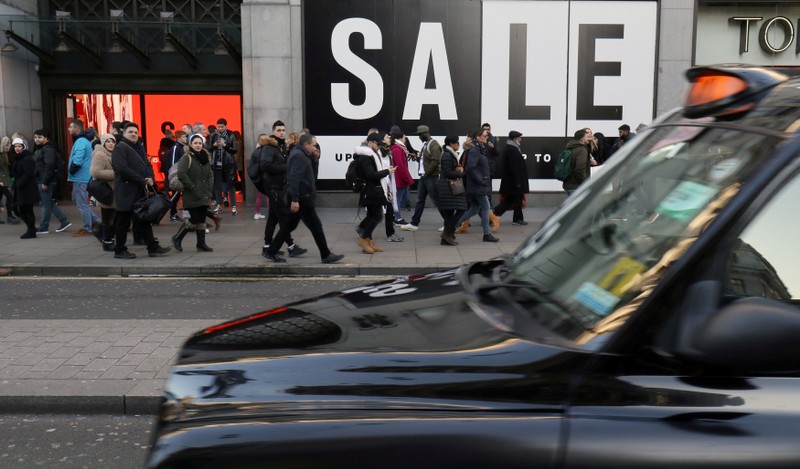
(201,156)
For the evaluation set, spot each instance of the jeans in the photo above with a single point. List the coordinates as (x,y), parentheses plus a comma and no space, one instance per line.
(402,199)
(478,202)
(426,187)
(49,208)
(221,187)
(81,199)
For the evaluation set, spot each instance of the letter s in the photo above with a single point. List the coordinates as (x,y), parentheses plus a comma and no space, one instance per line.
(373,82)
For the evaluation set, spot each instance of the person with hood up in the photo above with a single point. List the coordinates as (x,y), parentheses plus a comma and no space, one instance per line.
(194,172)
(580,162)
(25,192)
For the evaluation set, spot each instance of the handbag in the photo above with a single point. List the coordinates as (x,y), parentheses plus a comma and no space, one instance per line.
(101,191)
(152,207)
(457,186)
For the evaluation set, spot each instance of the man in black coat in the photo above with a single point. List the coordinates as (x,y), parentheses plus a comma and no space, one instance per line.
(132,172)
(514,182)
(301,191)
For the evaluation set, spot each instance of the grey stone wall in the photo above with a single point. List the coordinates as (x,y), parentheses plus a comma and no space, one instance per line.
(675,52)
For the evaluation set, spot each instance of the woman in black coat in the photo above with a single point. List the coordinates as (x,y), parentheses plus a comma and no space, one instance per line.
(451,206)
(26,193)
(132,172)
(374,196)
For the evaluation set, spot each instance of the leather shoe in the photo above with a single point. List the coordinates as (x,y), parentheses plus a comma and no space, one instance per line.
(159,251)
(332,258)
(124,255)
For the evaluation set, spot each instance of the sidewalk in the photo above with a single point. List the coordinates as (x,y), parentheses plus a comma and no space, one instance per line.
(119,366)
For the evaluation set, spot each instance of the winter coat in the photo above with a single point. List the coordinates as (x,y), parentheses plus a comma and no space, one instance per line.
(131,167)
(431,156)
(300,182)
(81,155)
(580,165)
(102,169)
(476,172)
(24,170)
(5,168)
(223,159)
(447,172)
(402,177)
(376,180)
(46,160)
(515,173)
(273,164)
(197,179)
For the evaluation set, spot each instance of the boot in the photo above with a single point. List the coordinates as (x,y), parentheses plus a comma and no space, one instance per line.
(108,246)
(463,228)
(12,220)
(448,239)
(201,238)
(375,247)
(176,240)
(366,245)
(494,221)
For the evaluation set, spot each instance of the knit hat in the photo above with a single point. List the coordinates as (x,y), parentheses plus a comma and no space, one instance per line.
(18,141)
(194,136)
(105,137)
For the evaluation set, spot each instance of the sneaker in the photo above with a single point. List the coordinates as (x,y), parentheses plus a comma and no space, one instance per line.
(409,227)
(41,231)
(233,211)
(489,238)
(175,219)
(274,257)
(81,232)
(258,216)
(441,229)
(297,251)
(186,214)
(159,251)
(28,236)
(63,227)
(395,238)
(265,249)
(124,255)
(225,202)
(401,222)
(332,258)
(519,223)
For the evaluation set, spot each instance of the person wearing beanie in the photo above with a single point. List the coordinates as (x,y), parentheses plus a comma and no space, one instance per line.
(50,169)
(194,172)
(103,170)
(132,171)
(25,192)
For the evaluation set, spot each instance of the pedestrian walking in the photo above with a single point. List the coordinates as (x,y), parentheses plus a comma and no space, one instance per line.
(514,181)
(194,172)
(25,192)
(452,204)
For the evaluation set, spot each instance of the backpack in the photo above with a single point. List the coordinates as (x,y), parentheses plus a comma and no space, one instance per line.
(254,170)
(353,178)
(563,166)
(172,176)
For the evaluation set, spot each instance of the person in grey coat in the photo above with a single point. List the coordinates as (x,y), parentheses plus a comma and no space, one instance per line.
(132,173)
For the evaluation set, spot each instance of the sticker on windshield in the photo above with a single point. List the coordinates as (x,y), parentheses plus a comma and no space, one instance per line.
(620,278)
(600,301)
(723,170)
(686,200)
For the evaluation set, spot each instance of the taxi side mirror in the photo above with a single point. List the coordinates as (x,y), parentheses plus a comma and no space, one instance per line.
(751,334)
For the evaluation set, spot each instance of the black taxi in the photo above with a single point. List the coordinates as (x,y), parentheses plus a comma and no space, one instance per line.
(650,322)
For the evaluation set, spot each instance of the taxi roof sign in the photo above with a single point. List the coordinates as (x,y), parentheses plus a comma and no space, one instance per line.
(722,90)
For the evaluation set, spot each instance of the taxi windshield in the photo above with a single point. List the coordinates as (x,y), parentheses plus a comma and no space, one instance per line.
(601,253)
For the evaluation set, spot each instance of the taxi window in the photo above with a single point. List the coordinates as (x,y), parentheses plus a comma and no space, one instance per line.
(765,260)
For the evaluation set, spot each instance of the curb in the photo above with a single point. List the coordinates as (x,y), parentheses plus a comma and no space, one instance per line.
(220,270)
(82,405)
